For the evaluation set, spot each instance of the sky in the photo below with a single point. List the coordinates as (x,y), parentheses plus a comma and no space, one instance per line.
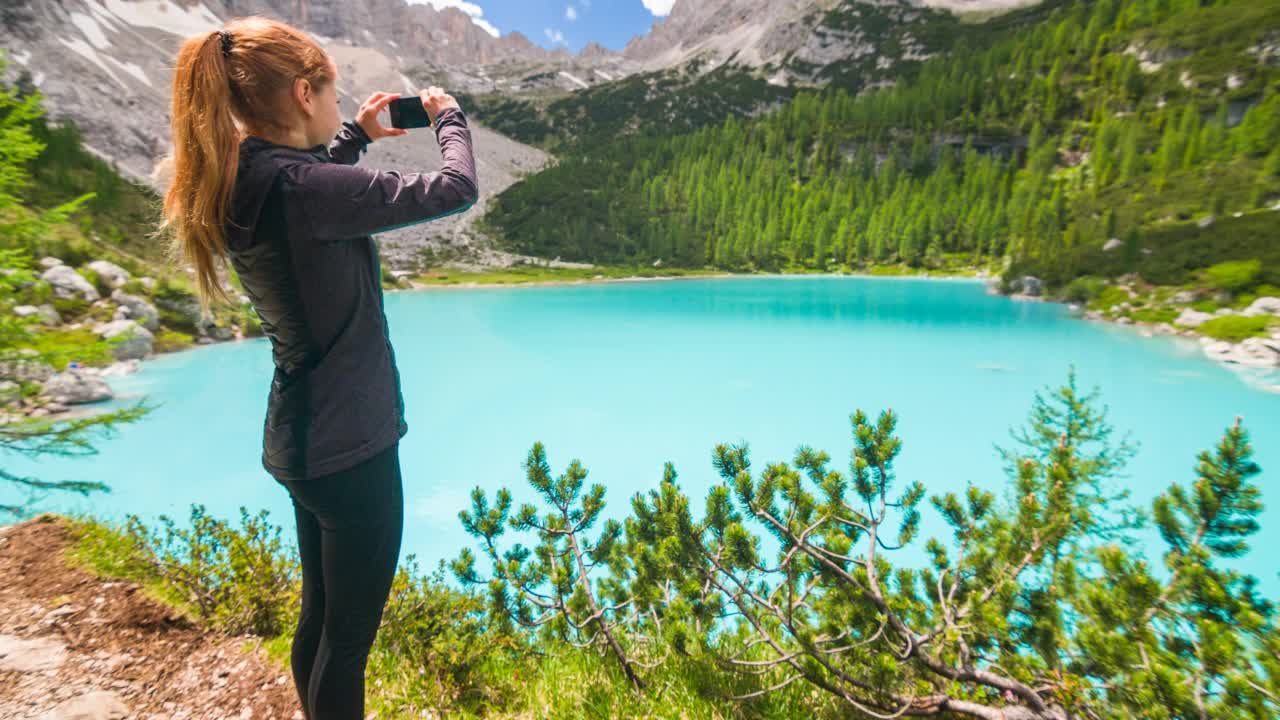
(564,23)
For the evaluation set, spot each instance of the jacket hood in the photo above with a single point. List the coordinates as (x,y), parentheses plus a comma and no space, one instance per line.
(259,163)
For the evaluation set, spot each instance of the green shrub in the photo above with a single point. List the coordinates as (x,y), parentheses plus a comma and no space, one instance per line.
(133,287)
(239,580)
(1155,315)
(1110,295)
(172,340)
(71,308)
(1234,275)
(1235,328)
(59,347)
(1083,290)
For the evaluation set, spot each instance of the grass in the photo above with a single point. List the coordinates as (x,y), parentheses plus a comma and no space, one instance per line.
(1235,328)
(59,347)
(530,274)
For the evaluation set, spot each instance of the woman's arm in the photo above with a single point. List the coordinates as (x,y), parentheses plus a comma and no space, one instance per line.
(349,144)
(345,201)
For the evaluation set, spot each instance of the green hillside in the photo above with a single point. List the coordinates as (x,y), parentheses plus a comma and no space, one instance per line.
(1031,143)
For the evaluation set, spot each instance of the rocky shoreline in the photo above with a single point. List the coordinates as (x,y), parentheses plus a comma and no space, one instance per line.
(135,320)
(129,322)
(1257,353)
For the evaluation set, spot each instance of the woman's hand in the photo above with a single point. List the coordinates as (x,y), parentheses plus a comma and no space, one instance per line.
(367,116)
(435,100)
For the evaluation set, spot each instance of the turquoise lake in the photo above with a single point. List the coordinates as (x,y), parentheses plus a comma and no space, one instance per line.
(625,376)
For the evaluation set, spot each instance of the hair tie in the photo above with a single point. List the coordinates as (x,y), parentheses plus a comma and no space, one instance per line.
(226,43)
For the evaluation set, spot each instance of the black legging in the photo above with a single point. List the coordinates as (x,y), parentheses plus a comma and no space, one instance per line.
(349,527)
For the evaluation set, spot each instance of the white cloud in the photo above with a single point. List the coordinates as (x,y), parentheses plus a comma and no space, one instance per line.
(661,8)
(473,11)
(555,36)
(570,13)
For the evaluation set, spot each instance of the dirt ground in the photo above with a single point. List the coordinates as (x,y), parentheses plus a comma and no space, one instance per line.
(77,647)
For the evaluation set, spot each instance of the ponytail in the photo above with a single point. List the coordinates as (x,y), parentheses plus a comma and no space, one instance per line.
(206,145)
(225,81)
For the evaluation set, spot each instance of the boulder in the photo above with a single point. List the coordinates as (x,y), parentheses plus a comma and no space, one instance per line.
(148,282)
(1032,286)
(25,310)
(1192,318)
(184,305)
(49,315)
(113,276)
(1223,312)
(1184,297)
(137,342)
(124,367)
(1261,306)
(76,387)
(49,262)
(68,283)
(138,309)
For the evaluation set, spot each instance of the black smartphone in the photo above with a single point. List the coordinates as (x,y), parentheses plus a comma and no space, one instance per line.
(408,112)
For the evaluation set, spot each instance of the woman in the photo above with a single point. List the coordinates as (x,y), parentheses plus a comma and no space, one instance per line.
(260,179)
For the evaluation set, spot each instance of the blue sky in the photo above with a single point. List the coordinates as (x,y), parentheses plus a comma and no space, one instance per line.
(564,23)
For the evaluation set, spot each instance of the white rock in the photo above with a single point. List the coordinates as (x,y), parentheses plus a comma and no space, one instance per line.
(9,391)
(1192,318)
(125,367)
(1223,312)
(1184,297)
(138,309)
(68,283)
(1261,306)
(30,655)
(112,274)
(97,705)
(48,262)
(74,387)
(148,282)
(25,310)
(139,343)
(1113,244)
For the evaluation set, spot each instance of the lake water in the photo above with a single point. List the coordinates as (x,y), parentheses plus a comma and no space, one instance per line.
(626,376)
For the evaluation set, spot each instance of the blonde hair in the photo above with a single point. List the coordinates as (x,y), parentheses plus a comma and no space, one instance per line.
(241,74)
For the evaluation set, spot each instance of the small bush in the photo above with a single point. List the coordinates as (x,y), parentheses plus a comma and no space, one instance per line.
(171,341)
(1235,328)
(1109,296)
(1083,290)
(1234,276)
(1155,315)
(71,308)
(240,580)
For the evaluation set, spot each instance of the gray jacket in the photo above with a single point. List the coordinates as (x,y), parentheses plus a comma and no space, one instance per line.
(298,236)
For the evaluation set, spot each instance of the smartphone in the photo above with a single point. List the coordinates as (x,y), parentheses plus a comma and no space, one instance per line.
(408,112)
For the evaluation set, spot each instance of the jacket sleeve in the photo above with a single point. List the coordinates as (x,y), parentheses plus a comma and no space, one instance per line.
(344,201)
(349,144)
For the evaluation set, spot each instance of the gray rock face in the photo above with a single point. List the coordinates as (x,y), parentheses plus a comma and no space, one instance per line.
(113,275)
(77,387)
(137,342)
(48,262)
(138,309)
(1032,286)
(67,283)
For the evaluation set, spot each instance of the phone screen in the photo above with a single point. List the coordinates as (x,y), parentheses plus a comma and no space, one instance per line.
(407,112)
